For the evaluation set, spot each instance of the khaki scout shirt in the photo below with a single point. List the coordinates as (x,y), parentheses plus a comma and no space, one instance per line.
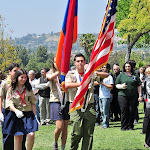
(54,96)
(5,85)
(14,99)
(71,77)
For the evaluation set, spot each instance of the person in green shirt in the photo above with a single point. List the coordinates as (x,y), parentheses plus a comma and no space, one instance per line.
(129,86)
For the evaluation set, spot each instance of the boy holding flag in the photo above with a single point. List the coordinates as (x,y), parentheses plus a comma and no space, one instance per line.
(83,119)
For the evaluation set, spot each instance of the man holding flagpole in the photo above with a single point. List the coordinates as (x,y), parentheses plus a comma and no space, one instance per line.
(80,83)
(83,119)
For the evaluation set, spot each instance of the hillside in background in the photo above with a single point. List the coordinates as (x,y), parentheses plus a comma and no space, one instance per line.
(32,41)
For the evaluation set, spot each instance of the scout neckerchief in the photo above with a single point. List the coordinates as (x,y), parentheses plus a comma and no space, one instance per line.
(22,98)
(63,100)
(78,76)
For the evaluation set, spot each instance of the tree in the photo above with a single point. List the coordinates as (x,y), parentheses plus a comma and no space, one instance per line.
(41,54)
(40,59)
(141,58)
(136,25)
(32,64)
(23,54)
(87,41)
(8,52)
(123,11)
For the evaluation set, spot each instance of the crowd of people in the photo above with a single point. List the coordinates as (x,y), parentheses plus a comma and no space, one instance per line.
(28,100)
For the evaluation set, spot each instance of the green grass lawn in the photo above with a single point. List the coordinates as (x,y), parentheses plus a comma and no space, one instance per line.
(104,139)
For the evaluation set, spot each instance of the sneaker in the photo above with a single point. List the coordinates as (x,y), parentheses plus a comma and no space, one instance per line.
(146,146)
(97,124)
(55,146)
(103,127)
(43,123)
(48,123)
(123,129)
(130,129)
(135,121)
(142,132)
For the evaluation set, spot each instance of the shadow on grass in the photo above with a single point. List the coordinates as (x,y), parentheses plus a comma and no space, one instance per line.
(139,123)
(115,123)
(141,117)
(138,128)
(115,126)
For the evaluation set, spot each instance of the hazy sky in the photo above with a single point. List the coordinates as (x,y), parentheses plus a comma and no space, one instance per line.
(45,16)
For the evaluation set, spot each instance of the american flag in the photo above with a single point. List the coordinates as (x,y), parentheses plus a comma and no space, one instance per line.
(100,53)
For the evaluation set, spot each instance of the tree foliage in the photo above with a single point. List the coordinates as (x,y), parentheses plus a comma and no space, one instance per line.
(8,52)
(136,25)
(87,41)
(141,58)
(23,54)
(40,59)
(123,11)
(41,54)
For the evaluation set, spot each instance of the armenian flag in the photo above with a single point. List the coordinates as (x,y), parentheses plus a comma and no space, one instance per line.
(68,36)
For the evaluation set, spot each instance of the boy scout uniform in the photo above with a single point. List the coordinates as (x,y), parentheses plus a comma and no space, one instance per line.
(8,141)
(4,88)
(54,96)
(83,122)
(14,99)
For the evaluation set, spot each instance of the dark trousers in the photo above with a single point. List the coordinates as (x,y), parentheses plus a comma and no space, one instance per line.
(147,137)
(24,142)
(97,108)
(136,117)
(114,109)
(127,106)
(8,142)
(146,120)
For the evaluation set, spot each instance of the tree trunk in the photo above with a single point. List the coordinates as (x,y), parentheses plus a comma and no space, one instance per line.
(128,52)
(131,44)
(87,53)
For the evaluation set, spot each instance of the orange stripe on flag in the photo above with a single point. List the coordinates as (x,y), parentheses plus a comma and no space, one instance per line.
(60,50)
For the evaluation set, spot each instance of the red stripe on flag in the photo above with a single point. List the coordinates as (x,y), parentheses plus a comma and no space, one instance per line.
(75,33)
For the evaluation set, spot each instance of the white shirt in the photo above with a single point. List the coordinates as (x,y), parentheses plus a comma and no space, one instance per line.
(33,83)
(104,92)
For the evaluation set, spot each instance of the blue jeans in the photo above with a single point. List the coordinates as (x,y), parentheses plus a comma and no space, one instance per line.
(104,108)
